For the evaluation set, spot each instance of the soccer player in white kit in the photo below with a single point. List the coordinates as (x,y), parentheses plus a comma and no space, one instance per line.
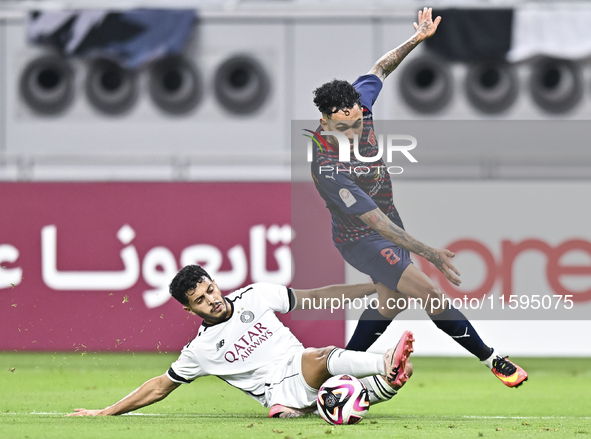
(243,342)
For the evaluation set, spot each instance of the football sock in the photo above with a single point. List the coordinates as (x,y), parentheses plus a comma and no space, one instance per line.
(378,389)
(369,328)
(454,323)
(488,362)
(358,364)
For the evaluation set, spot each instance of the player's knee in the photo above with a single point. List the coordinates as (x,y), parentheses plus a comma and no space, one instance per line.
(324,352)
(318,356)
(315,365)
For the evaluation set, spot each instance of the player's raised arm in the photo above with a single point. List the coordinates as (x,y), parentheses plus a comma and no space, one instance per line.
(340,292)
(441,258)
(425,28)
(151,391)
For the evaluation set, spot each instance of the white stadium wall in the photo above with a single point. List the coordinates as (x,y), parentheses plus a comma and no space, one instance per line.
(295,52)
(145,133)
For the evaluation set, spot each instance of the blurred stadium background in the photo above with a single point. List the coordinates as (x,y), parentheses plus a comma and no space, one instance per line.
(136,139)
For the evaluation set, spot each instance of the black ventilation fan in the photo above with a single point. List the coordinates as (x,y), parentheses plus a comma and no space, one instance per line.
(556,85)
(491,86)
(175,85)
(241,85)
(426,84)
(46,85)
(110,88)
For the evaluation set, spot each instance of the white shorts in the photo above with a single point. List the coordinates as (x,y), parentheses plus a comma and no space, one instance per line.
(286,385)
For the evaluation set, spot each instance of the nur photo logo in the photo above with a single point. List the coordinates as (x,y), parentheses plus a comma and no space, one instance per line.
(394,143)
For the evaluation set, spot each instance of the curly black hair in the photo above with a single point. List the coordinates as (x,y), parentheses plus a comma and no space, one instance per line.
(185,280)
(336,95)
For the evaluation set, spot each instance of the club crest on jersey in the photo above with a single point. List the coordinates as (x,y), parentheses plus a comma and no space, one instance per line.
(247,317)
(347,197)
(371,138)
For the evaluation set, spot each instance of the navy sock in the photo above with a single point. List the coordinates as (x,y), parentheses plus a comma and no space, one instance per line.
(370,326)
(454,323)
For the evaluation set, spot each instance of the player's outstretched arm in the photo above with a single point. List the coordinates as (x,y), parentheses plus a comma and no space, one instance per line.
(340,292)
(441,258)
(425,28)
(148,393)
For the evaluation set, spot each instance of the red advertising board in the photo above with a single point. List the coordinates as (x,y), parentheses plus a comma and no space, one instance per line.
(86,266)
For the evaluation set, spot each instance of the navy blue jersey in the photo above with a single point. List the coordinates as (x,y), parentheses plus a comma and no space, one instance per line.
(350,194)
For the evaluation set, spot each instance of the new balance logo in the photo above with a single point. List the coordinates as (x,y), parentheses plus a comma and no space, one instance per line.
(466,335)
(219,345)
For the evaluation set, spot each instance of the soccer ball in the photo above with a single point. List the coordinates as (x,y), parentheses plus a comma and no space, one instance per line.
(343,399)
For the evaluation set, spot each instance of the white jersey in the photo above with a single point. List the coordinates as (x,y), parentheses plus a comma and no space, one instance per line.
(244,349)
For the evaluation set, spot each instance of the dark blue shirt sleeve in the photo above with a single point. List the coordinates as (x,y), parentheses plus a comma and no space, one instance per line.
(369,87)
(344,193)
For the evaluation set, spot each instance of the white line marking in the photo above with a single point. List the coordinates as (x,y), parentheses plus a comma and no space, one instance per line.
(174,415)
(527,417)
(262,415)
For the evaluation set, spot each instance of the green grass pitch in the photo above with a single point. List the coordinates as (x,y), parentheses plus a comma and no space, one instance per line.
(447,397)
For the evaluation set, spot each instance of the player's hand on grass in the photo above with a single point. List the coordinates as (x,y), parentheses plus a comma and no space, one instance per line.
(84,412)
(442,260)
(426,27)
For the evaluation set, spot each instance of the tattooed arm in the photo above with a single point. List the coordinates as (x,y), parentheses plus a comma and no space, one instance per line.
(425,29)
(441,258)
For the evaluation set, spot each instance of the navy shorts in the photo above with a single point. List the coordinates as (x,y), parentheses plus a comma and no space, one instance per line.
(376,256)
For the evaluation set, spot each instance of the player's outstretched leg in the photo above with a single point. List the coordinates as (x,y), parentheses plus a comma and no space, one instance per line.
(450,320)
(383,375)
(508,372)
(319,364)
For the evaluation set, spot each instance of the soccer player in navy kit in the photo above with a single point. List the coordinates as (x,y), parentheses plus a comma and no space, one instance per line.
(366,227)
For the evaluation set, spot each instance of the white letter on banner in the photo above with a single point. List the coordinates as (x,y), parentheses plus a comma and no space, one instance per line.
(159,279)
(258,254)
(9,276)
(88,280)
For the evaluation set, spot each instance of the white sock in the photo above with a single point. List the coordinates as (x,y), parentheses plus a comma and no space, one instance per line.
(378,389)
(358,364)
(489,361)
